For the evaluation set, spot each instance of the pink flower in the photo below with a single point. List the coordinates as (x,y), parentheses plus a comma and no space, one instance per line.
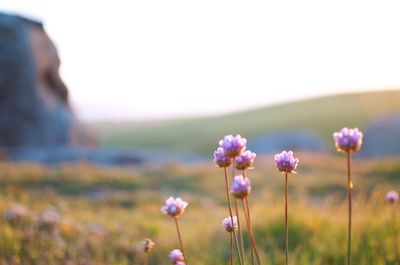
(220,159)
(348,139)
(285,162)
(240,187)
(174,207)
(233,145)
(245,160)
(229,226)
(176,256)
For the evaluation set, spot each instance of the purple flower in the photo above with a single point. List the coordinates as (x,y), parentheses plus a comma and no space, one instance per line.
(174,207)
(180,263)
(176,256)
(240,187)
(229,226)
(285,162)
(233,145)
(392,196)
(348,139)
(16,214)
(245,160)
(220,159)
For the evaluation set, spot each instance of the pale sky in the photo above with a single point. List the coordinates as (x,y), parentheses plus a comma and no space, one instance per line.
(150,59)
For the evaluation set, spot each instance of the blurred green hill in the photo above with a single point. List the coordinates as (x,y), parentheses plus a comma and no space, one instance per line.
(322,115)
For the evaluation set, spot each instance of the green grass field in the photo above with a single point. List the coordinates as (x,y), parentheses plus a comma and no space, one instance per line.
(107,212)
(323,115)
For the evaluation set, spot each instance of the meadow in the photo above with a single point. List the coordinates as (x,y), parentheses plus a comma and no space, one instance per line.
(322,115)
(101,215)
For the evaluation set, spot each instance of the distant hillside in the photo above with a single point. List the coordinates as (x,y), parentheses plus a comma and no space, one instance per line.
(200,135)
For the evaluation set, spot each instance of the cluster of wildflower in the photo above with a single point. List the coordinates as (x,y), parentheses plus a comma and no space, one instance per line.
(392,197)
(175,207)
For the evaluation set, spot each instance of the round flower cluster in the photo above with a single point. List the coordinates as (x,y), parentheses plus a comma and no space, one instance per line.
(174,207)
(285,162)
(240,187)
(176,257)
(392,196)
(348,139)
(232,149)
(229,225)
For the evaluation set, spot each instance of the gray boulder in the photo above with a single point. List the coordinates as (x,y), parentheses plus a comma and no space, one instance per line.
(296,140)
(34,106)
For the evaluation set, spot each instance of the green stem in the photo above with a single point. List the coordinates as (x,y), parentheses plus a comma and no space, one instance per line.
(180,239)
(349,187)
(240,232)
(231,215)
(395,234)
(250,228)
(146,258)
(286,221)
(231,256)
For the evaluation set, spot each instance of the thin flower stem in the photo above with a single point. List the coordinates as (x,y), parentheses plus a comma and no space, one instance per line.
(349,187)
(231,255)
(249,227)
(395,234)
(246,200)
(238,220)
(240,231)
(228,196)
(146,258)
(286,221)
(180,239)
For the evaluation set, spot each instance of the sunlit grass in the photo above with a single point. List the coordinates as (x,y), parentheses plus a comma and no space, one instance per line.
(107,212)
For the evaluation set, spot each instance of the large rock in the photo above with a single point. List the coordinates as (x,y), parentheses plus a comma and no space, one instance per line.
(34,106)
(296,140)
(382,137)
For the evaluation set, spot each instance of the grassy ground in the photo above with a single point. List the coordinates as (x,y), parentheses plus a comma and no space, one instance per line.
(323,115)
(105,213)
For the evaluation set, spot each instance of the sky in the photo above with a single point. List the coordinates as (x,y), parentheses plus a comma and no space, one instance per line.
(135,60)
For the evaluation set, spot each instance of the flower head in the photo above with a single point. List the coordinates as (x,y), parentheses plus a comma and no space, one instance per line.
(180,263)
(174,207)
(245,160)
(240,187)
(16,214)
(233,145)
(148,245)
(285,162)
(176,256)
(220,159)
(229,226)
(348,139)
(49,219)
(392,196)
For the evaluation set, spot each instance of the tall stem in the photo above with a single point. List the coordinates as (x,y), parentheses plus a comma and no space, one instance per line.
(231,248)
(240,231)
(286,221)
(249,226)
(349,187)
(395,234)
(146,258)
(228,196)
(180,239)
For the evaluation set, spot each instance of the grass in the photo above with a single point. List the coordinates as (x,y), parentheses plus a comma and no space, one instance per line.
(322,115)
(107,212)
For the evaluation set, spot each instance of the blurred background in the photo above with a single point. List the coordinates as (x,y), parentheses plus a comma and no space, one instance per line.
(112,106)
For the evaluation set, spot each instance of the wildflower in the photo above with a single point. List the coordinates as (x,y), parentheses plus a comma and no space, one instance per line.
(176,256)
(240,187)
(148,245)
(233,145)
(229,226)
(220,159)
(348,140)
(392,196)
(174,207)
(180,263)
(245,160)
(285,162)
(16,214)
(49,219)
